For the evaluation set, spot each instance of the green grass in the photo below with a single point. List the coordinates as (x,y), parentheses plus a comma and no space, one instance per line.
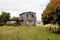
(27,33)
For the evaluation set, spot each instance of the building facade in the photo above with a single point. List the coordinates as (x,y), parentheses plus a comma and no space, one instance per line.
(29,19)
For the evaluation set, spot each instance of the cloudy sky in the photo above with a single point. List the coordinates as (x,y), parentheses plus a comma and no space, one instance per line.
(15,7)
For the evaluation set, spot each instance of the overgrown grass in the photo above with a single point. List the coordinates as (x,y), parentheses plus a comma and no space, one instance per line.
(27,33)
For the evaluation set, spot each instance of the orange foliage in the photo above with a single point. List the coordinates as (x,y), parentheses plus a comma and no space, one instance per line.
(50,11)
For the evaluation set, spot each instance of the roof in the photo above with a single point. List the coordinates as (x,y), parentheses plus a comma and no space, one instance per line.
(27,12)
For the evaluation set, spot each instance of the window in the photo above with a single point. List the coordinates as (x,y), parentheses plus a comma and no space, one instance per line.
(32,15)
(27,15)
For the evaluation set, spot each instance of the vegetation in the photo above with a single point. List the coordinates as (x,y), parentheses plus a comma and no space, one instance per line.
(15,18)
(52,13)
(27,33)
(4,17)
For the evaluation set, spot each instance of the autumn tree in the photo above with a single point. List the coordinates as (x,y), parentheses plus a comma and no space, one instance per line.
(52,13)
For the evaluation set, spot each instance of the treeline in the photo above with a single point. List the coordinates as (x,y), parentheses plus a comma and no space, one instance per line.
(5,16)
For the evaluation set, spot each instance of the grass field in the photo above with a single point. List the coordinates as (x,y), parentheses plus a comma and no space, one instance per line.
(27,33)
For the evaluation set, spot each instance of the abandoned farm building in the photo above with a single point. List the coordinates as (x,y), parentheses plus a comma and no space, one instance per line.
(25,19)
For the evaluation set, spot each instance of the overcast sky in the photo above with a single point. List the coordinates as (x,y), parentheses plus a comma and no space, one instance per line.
(15,7)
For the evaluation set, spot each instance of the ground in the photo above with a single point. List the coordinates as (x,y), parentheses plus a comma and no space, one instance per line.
(27,33)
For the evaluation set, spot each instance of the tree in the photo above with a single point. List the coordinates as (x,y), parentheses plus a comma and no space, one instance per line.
(4,17)
(52,13)
(15,18)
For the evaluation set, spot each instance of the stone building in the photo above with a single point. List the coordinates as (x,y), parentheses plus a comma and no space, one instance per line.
(29,18)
